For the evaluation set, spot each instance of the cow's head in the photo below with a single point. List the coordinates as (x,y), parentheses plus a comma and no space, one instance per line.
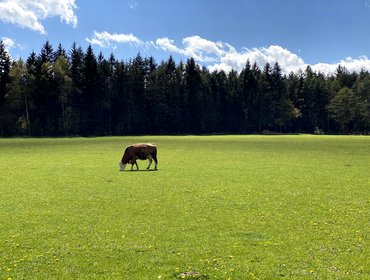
(121,166)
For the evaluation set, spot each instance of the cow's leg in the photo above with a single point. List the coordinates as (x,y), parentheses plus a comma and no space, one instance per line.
(155,161)
(137,166)
(150,161)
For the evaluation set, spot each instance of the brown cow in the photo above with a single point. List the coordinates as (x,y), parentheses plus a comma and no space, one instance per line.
(139,151)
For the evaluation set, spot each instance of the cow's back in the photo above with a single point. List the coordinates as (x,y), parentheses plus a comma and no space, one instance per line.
(143,150)
(144,145)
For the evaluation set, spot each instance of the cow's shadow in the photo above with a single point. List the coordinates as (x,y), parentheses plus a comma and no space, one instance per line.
(140,170)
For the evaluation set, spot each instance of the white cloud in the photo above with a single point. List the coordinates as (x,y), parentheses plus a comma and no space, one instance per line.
(226,57)
(106,40)
(8,43)
(237,60)
(13,12)
(351,64)
(167,45)
(30,13)
(203,50)
(200,49)
(223,56)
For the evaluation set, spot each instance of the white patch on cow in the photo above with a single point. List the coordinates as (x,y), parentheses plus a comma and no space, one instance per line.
(121,166)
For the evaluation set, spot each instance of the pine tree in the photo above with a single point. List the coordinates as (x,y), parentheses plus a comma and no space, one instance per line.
(171,87)
(46,109)
(120,99)
(60,51)
(61,69)
(250,109)
(105,89)
(47,53)
(264,99)
(234,124)
(344,78)
(192,88)
(281,107)
(5,62)
(31,90)
(76,56)
(294,87)
(90,99)
(157,96)
(221,100)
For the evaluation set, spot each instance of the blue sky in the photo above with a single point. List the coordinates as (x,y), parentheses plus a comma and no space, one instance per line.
(217,33)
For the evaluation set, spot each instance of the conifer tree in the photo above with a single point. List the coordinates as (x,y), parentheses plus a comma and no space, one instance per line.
(90,96)
(61,69)
(4,80)
(192,89)
(76,56)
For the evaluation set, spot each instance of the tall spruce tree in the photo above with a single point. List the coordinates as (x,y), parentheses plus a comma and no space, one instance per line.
(250,108)
(61,70)
(31,92)
(106,70)
(154,99)
(294,87)
(45,98)
(171,87)
(264,119)
(4,80)
(47,53)
(76,56)
(90,96)
(60,51)
(136,98)
(281,107)
(104,84)
(234,124)
(121,103)
(192,88)
(219,87)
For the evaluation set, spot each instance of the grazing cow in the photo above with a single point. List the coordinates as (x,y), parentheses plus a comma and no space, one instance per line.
(139,151)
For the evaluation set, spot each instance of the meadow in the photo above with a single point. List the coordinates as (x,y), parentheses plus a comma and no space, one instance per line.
(219,207)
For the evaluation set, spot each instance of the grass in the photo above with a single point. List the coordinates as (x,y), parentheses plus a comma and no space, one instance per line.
(219,207)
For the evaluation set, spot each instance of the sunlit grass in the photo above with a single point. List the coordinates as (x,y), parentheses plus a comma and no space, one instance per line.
(219,207)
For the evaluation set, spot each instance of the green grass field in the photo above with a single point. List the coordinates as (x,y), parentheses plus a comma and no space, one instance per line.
(219,207)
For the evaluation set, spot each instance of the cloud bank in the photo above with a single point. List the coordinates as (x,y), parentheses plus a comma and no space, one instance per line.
(223,56)
(29,13)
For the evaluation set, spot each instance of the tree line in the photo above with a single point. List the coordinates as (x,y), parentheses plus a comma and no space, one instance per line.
(76,92)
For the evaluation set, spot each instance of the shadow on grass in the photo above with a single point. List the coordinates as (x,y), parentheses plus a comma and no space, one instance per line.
(140,170)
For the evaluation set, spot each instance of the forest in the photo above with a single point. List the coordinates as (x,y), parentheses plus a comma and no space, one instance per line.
(79,93)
